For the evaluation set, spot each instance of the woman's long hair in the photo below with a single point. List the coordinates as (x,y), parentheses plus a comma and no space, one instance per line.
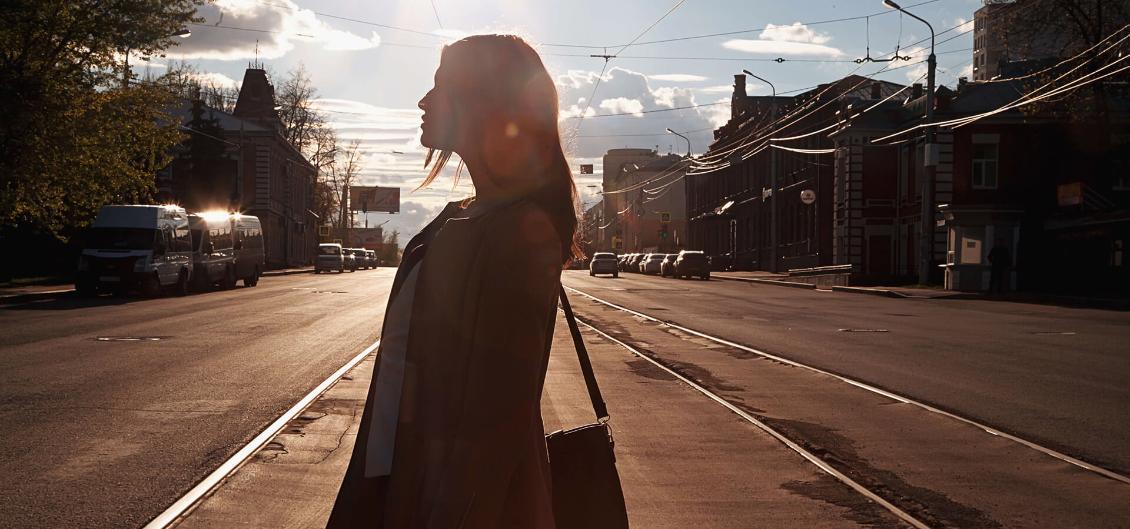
(505,90)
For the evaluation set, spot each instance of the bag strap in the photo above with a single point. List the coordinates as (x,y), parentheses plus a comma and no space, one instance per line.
(586,365)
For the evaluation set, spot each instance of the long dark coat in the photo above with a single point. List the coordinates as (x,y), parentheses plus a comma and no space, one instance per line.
(470,449)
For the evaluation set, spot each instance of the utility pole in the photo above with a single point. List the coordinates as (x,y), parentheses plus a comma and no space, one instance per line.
(926,233)
(773,221)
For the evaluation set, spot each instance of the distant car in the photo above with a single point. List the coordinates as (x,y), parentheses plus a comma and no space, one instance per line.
(329,258)
(603,263)
(692,263)
(634,264)
(371,255)
(360,257)
(667,266)
(652,264)
(350,258)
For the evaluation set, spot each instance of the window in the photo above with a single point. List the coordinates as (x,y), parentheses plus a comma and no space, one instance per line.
(1121,175)
(985,161)
(221,238)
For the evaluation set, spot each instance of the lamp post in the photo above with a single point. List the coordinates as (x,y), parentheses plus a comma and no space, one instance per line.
(683,137)
(926,233)
(772,178)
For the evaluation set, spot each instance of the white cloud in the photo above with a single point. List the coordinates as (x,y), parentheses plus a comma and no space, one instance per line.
(595,135)
(795,32)
(678,77)
(622,105)
(719,89)
(777,47)
(790,39)
(966,71)
(963,24)
(243,29)
(214,79)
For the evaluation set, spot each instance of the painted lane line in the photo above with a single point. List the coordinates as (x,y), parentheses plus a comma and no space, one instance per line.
(809,456)
(865,386)
(217,476)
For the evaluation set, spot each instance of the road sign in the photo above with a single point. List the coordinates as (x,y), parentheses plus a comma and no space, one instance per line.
(664,216)
(808,196)
(586,168)
(374,198)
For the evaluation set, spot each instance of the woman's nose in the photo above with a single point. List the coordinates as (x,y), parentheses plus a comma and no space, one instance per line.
(423,105)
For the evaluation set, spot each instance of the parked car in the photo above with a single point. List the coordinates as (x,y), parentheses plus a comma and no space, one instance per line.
(330,257)
(692,263)
(372,256)
(651,265)
(350,259)
(136,246)
(634,263)
(360,258)
(667,266)
(603,263)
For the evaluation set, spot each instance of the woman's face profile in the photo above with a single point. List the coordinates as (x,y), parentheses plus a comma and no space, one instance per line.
(438,126)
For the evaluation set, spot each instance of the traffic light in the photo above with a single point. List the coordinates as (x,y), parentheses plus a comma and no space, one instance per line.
(663,231)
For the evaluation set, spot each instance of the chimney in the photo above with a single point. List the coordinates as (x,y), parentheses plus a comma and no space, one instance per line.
(916,91)
(739,85)
(876,90)
(962,83)
(739,100)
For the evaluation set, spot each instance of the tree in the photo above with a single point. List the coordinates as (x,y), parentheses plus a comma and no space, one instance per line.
(1059,28)
(342,176)
(72,139)
(390,249)
(185,81)
(301,122)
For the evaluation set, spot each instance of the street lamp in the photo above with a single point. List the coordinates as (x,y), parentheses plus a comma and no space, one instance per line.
(926,233)
(772,177)
(683,137)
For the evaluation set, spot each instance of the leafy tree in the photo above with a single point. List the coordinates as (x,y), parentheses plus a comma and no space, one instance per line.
(72,138)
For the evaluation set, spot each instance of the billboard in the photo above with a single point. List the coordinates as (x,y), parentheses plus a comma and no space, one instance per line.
(367,238)
(374,198)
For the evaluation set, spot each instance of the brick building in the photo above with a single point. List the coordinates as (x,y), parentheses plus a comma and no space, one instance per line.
(240,161)
(730,208)
(1049,188)
(644,202)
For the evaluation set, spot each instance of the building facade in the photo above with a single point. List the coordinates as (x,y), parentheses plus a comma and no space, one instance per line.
(756,204)
(241,162)
(643,208)
(1041,188)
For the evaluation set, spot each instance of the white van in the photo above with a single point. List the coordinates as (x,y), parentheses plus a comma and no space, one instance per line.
(247,241)
(330,257)
(148,247)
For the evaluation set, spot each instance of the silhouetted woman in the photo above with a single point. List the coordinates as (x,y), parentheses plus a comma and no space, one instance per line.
(451,436)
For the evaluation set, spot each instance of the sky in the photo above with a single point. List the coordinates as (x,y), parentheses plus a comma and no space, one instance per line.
(372,60)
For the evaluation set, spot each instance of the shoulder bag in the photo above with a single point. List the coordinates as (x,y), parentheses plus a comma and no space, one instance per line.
(586,486)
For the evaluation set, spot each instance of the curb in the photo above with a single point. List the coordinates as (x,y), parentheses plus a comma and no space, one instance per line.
(871,291)
(287,272)
(775,282)
(34,296)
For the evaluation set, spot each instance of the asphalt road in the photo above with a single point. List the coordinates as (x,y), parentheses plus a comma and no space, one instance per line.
(1050,374)
(101,429)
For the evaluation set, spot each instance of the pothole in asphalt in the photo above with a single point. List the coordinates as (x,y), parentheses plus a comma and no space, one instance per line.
(330,292)
(863,330)
(131,338)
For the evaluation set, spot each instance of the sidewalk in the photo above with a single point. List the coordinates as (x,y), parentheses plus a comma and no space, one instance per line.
(683,460)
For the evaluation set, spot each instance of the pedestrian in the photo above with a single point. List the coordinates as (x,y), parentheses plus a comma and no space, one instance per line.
(1000,263)
(451,435)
